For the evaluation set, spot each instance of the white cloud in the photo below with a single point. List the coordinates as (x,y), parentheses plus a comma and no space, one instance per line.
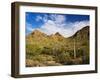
(42,18)
(80,24)
(38,18)
(49,27)
(57,23)
(58,19)
(45,18)
(29,27)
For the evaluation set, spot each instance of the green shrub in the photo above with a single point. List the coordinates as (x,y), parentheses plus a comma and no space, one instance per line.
(64,58)
(33,49)
(79,52)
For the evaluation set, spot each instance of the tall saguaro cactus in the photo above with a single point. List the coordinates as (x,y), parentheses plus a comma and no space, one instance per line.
(74,48)
(74,45)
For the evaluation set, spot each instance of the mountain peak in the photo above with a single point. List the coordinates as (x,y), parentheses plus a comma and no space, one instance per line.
(37,32)
(58,34)
(82,34)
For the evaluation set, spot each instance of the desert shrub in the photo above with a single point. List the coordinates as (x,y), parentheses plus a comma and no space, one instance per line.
(64,58)
(33,49)
(77,61)
(52,63)
(31,63)
(42,58)
(56,52)
(71,53)
(84,44)
(79,52)
(47,51)
(51,51)
(85,59)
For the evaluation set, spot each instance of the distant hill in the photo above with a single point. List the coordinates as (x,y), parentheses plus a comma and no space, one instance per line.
(82,34)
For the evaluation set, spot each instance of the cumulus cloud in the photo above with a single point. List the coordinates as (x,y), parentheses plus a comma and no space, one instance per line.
(29,28)
(45,18)
(58,23)
(42,18)
(80,24)
(58,19)
(38,18)
(67,30)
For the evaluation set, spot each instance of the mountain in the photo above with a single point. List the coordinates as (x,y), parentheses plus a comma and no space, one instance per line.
(36,33)
(81,38)
(39,38)
(36,36)
(41,34)
(82,34)
(57,34)
(55,49)
(57,37)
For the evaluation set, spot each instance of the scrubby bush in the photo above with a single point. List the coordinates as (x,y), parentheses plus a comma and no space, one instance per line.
(33,49)
(64,58)
(47,51)
(79,52)
(85,59)
(71,53)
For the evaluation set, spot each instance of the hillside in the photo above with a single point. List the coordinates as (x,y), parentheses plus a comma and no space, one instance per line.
(54,50)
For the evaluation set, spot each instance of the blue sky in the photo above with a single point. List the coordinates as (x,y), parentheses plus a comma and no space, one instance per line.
(49,23)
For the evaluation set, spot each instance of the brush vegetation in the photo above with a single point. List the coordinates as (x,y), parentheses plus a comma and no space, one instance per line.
(56,50)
